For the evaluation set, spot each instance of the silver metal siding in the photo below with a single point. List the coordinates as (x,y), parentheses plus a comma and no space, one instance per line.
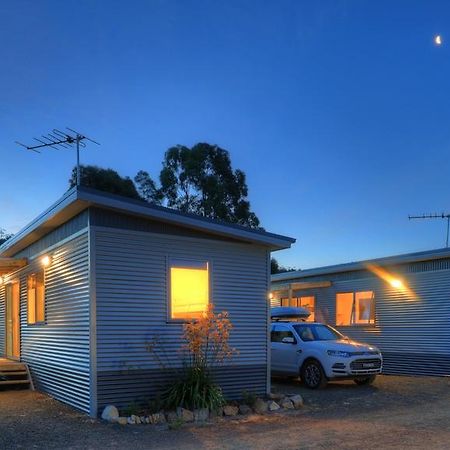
(411,331)
(2,321)
(58,351)
(131,291)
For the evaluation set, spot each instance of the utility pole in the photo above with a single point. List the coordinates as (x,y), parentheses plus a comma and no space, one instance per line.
(435,216)
(62,140)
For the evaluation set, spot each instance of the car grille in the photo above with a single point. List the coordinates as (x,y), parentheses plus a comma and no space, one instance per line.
(365,365)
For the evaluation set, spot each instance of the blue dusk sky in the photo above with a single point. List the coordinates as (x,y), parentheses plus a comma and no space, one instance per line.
(337,111)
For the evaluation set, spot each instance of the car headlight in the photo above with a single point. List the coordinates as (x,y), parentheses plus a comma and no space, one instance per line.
(339,353)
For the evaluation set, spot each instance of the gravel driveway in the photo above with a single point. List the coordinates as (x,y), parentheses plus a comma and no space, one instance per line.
(396,412)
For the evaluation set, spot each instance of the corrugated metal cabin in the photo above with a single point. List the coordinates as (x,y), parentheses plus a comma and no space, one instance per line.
(96,278)
(400,304)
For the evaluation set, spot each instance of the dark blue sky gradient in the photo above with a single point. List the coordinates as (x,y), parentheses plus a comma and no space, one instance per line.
(338,111)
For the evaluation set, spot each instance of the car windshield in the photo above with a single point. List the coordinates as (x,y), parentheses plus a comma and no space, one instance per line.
(317,332)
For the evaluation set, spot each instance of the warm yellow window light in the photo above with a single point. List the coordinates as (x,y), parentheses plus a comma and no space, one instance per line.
(189,291)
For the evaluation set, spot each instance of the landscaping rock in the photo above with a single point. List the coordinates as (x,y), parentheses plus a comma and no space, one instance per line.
(286,403)
(201,415)
(260,406)
(273,406)
(297,400)
(230,410)
(276,396)
(122,420)
(131,421)
(171,416)
(157,418)
(137,420)
(216,412)
(244,410)
(185,415)
(110,413)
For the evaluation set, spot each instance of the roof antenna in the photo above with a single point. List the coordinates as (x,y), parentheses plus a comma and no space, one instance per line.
(62,140)
(435,216)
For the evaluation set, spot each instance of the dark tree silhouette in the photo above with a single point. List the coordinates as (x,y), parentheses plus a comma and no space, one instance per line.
(202,181)
(107,180)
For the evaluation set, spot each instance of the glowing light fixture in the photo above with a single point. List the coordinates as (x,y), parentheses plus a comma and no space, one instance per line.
(396,283)
(438,39)
(45,260)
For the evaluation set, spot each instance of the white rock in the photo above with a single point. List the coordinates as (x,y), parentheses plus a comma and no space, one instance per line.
(110,413)
(297,400)
(273,406)
(287,404)
(230,410)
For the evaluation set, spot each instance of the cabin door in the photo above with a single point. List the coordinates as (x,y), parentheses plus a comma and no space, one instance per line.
(12,321)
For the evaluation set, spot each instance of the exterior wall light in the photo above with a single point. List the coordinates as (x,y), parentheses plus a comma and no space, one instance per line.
(45,261)
(396,283)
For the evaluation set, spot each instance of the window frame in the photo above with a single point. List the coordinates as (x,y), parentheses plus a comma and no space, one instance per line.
(171,262)
(356,324)
(284,329)
(44,302)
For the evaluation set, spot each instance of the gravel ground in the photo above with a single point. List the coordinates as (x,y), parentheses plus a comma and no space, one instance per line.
(396,412)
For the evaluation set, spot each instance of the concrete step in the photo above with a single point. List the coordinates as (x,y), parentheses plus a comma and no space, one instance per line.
(7,382)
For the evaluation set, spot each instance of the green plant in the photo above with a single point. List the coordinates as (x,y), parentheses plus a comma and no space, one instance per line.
(176,424)
(155,405)
(194,390)
(134,408)
(249,398)
(206,347)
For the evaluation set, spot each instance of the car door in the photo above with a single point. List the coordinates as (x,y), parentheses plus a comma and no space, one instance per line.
(284,355)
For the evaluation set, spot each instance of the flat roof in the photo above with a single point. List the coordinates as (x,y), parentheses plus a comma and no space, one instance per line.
(362,265)
(79,198)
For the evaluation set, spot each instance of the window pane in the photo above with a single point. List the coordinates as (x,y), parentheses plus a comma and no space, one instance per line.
(40,297)
(365,307)
(31,298)
(189,292)
(308,303)
(344,304)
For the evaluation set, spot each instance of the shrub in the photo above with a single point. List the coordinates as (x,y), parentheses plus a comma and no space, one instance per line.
(206,347)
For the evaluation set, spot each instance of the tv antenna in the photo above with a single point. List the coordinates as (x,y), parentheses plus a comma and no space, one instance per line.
(62,140)
(435,216)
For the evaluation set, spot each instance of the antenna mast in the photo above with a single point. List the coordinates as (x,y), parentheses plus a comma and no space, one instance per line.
(435,216)
(62,140)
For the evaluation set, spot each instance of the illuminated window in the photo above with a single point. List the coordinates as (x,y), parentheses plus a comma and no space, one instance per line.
(355,308)
(304,302)
(189,290)
(36,298)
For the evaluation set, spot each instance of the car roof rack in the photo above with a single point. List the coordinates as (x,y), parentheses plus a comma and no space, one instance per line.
(288,313)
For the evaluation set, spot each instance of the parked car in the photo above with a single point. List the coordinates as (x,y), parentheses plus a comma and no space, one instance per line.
(318,353)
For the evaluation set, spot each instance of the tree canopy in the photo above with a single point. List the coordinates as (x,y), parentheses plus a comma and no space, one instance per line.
(275,267)
(4,236)
(107,180)
(202,181)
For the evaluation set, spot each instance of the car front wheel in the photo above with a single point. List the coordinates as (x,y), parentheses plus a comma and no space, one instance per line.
(313,375)
(366,380)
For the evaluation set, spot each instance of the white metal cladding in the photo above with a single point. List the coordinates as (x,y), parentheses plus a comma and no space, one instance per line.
(2,321)
(58,351)
(412,332)
(131,292)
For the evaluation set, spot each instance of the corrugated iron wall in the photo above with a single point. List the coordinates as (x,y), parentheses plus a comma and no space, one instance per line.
(131,297)
(58,351)
(2,321)
(412,330)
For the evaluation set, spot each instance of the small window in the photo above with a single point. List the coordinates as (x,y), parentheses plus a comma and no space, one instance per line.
(278,333)
(36,298)
(355,308)
(189,290)
(304,302)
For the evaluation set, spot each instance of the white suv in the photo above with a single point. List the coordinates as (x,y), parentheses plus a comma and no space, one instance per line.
(319,353)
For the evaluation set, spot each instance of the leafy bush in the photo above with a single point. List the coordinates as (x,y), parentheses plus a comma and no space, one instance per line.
(194,390)
(206,347)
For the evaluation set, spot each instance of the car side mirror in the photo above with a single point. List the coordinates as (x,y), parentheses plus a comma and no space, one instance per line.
(288,340)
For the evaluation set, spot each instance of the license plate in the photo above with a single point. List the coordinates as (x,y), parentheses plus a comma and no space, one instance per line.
(367,365)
